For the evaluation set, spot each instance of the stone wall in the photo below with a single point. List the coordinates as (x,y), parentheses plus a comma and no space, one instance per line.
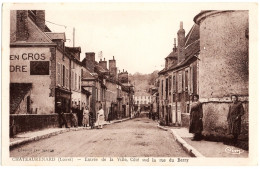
(215,119)
(30,122)
(223,66)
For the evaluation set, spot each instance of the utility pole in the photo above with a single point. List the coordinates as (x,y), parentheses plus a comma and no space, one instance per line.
(73,37)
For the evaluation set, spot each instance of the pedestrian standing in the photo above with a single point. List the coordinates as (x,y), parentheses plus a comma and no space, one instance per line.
(100,115)
(92,118)
(109,115)
(196,115)
(62,119)
(86,117)
(235,112)
(74,115)
(78,114)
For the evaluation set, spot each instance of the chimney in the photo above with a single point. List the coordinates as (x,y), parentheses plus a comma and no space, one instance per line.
(22,32)
(112,67)
(40,19)
(181,43)
(174,45)
(90,61)
(103,63)
(112,63)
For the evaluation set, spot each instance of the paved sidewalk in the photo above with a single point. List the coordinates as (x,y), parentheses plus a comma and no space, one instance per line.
(204,148)
(30,136)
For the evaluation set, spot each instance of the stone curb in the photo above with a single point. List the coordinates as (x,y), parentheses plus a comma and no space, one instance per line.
(188,148)
(163,128)
(36,138)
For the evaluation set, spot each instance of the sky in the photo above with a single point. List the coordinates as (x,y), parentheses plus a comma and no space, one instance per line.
(139,36)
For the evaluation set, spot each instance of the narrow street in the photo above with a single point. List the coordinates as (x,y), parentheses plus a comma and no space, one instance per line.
(139,137)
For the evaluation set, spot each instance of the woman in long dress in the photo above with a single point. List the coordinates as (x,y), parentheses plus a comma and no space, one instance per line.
(85,117)
(196,115)
(100,120)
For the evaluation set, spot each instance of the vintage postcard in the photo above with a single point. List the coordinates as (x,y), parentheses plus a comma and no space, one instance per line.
(130,84)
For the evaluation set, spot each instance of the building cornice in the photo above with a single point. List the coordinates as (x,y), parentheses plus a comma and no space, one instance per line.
(26,44)
(203,14)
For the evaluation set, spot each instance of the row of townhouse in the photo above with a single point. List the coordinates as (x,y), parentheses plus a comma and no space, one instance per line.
(211,61)
(142,100)
(43,71)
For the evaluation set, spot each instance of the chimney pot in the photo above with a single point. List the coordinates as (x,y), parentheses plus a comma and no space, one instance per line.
(113,58)
(181,25)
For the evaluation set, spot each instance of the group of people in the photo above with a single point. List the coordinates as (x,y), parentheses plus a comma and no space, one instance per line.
(235,112)
(83,117)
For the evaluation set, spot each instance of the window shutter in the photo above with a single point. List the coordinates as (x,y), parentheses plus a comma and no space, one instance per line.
(79,82)
(173,84)
(58,72)
(67,78)
(189,82)
(61,74)
(191,79)
(180,83)
(75,85)
(72,80)
(183,78)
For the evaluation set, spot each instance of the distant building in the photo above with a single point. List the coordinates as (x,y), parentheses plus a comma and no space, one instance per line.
(142,100)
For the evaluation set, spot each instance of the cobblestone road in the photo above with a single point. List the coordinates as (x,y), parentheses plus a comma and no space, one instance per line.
(133,138)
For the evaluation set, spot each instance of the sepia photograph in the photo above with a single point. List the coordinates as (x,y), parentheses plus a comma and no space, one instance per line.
(129,84)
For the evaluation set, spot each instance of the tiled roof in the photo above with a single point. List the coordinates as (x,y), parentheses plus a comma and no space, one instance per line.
(173,54)
(193,35)
(190,52)
(101,69)
(141,93)
(17,93)
(192,47)
(74,49)
(87,75)
(53,35)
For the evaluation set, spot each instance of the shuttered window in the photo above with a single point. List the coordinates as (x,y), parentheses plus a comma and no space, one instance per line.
(180,82)
(79,82)
(75,85)
(63,75)
(58,73)
(191,79)
(173,84)
(72,80)
(67,78)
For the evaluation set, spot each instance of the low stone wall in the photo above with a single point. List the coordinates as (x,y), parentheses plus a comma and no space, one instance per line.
(215,119)
(28,122)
